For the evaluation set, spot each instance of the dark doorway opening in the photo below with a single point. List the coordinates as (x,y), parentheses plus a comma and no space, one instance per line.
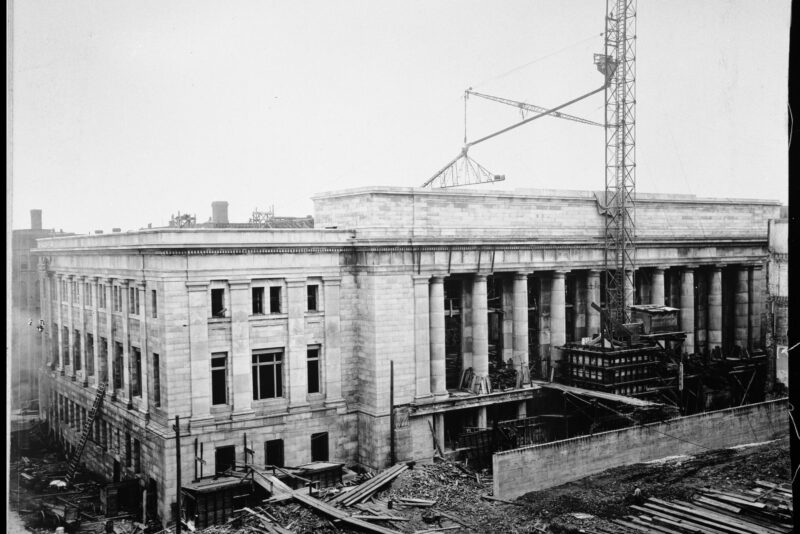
(224,458)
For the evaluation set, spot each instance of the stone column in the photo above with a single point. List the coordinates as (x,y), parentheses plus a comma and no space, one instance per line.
(754,295)
(480,329)
(592,295)
(436,313)
(630,289)
(520,318)
(558,326)
(438,426)
(80,286)
(98,378)
(701,310)
(71,326)
(742,307)
(715,308)
(687,308)
(297,352)
(579,306)
(144,387)
(331,286)
(422,339)
(241,359)
(126,344)
(59,336)
(657,286)
(199,355)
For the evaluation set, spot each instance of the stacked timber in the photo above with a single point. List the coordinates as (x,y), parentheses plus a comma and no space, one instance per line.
(763,510)
(366,489)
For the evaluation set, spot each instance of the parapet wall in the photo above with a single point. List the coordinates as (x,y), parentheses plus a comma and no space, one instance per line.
(539,467)
(532,214)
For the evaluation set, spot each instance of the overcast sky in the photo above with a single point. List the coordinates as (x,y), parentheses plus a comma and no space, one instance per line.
(128,112)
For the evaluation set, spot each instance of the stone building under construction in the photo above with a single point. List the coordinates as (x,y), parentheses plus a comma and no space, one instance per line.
(274,345)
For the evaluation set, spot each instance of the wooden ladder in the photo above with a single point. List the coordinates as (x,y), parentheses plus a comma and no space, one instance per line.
(87,429)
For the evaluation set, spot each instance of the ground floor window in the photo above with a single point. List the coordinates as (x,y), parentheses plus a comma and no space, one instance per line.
(225,458)
(319,447)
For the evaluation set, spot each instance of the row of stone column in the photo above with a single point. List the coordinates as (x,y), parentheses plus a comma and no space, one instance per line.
(747,313)
(102,368)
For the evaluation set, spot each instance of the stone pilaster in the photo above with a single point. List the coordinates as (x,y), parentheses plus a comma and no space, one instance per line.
(715,308)
(241,354)
(332,352)
(80,286)
(198,349)
(422,339)
(107,288)
(96,288)
(59,336)
(71,326)
(701,311)
(742,307)
(755,285)
(126,343)
(297,351)
(520,326)
(144,387)
(436,313)
(687,308)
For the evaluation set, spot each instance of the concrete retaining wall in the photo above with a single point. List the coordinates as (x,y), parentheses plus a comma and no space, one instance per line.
(538,467)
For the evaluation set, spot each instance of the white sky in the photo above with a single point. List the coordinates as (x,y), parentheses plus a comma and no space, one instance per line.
(126,112)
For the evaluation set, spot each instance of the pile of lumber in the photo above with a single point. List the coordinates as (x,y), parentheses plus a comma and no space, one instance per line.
(365,490)
(765,509)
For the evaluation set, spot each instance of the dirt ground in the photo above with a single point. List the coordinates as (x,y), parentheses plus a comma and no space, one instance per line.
(461,495)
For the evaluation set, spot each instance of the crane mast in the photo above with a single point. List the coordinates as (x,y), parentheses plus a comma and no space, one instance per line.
(618,63)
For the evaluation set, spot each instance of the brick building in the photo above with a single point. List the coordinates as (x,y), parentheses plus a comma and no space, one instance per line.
(274,345)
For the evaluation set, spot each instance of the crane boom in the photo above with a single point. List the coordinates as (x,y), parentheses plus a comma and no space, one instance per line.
(532,107)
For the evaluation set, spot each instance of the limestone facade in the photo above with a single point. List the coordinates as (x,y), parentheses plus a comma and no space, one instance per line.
(257,335)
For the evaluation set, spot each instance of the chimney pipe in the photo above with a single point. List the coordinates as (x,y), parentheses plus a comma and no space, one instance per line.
(219,212)
(36,219)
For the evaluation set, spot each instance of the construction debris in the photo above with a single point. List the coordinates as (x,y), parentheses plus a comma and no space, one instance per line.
(365,490)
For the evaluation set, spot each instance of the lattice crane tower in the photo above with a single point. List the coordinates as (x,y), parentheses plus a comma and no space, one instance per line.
(618,64)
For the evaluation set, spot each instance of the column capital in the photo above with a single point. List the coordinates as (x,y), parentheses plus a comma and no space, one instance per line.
(93,279)
(296,281)
(561,273)
(689,267)
(239,284)
(105,280)
(124,282)
(332,280)
(719,266)
(756,267)
(420,278)
(141,284)
(479,277)
(437,278)
(595,271)
(522,275)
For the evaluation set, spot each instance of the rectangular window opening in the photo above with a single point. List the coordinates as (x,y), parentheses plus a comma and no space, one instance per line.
(225,458)
(219,378)
(273,452)
(313,293)
(319,447)
(154,302)
(258,300)
(156,381)
(136,374)
(313,370)
(267,374)
(275,300)
(218,303)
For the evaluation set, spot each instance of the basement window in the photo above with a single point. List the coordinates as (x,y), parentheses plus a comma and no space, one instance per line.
(218,303)
(258,301)
(313,293)
(275,300)
(273,452)
(319,447)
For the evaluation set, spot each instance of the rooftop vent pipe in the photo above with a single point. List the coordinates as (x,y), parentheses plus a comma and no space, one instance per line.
(36,219)
(219,212)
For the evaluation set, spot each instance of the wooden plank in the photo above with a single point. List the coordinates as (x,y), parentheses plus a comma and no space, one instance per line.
(641,527)
(716,504)
(334,512)
(702,520)
(739,521)
(681,524)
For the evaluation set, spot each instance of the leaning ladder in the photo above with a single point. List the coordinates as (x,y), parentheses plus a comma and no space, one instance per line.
(87,429)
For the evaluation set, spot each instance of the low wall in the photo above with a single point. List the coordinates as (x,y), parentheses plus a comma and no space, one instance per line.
(538,467)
